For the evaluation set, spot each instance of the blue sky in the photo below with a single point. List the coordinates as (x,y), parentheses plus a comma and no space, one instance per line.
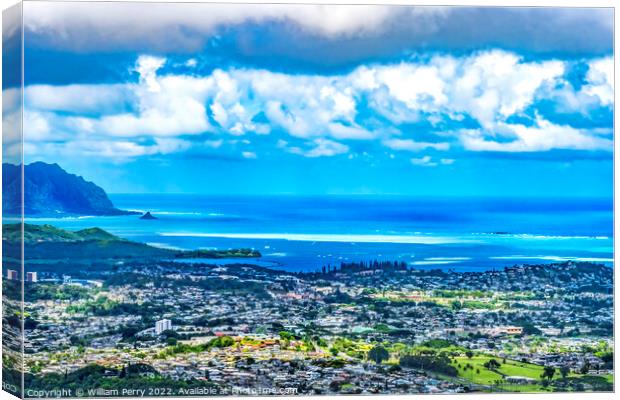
(322,100)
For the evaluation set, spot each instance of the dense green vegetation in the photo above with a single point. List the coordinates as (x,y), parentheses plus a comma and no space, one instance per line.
(233,253)
(49,291)
(182,348)
(46,242)
(102,306)
(138,376)
(493,371)
(440,363)
(48,233)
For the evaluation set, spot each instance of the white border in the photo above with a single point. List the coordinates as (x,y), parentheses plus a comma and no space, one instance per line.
(506,3)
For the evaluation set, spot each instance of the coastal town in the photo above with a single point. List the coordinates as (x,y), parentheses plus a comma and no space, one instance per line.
(363,328)
(209,199)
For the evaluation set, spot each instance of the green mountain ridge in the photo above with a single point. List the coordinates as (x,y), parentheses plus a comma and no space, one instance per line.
(48,233)
(47,242)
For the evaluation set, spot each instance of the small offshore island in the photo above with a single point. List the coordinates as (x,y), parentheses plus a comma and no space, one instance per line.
(137,319)
(147,215)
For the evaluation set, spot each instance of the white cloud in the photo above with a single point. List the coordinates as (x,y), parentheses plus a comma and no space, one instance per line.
(488,87)
(425,161)
(103,98)
(321,148)
(214,144)
(169,145)
(116,150)
(411,145)
(249,154)
(219,113)
(147,67)
(597,90)
(496,84)
(11,122)
(343,104)
(183,116)
(164,105)
(38,126)
(340,131)
(600,78)
(418,86)
(287,120)
(543,136)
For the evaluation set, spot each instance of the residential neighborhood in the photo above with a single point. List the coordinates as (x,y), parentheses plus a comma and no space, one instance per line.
(242,327)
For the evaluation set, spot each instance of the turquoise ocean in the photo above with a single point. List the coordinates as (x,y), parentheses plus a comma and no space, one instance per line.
(304,233)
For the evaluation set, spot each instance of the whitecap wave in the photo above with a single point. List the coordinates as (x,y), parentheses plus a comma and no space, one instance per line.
(309,237)
(163,246)
(176,213)
(277,254)
(63,218)
(432,262)
(553,258)
(531,236)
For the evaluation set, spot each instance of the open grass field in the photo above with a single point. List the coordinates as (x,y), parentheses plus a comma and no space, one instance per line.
(490,378)
(515,368)
(510,368)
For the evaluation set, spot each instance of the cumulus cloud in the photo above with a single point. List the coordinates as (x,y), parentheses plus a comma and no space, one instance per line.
(155,106)
(147,67)
(496,84)
(600,78)
(425,161)
(115,150)
(355,132)
(410,145)
(428,161)
(488,86)
(249,154)
(543,136)
(11,122)
(81,99)
(214,144)
(597,89)
(321,148)
(328,113)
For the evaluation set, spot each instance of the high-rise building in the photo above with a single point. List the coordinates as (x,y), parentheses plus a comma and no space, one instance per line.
(31,276)
(163,325)
(11,274)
